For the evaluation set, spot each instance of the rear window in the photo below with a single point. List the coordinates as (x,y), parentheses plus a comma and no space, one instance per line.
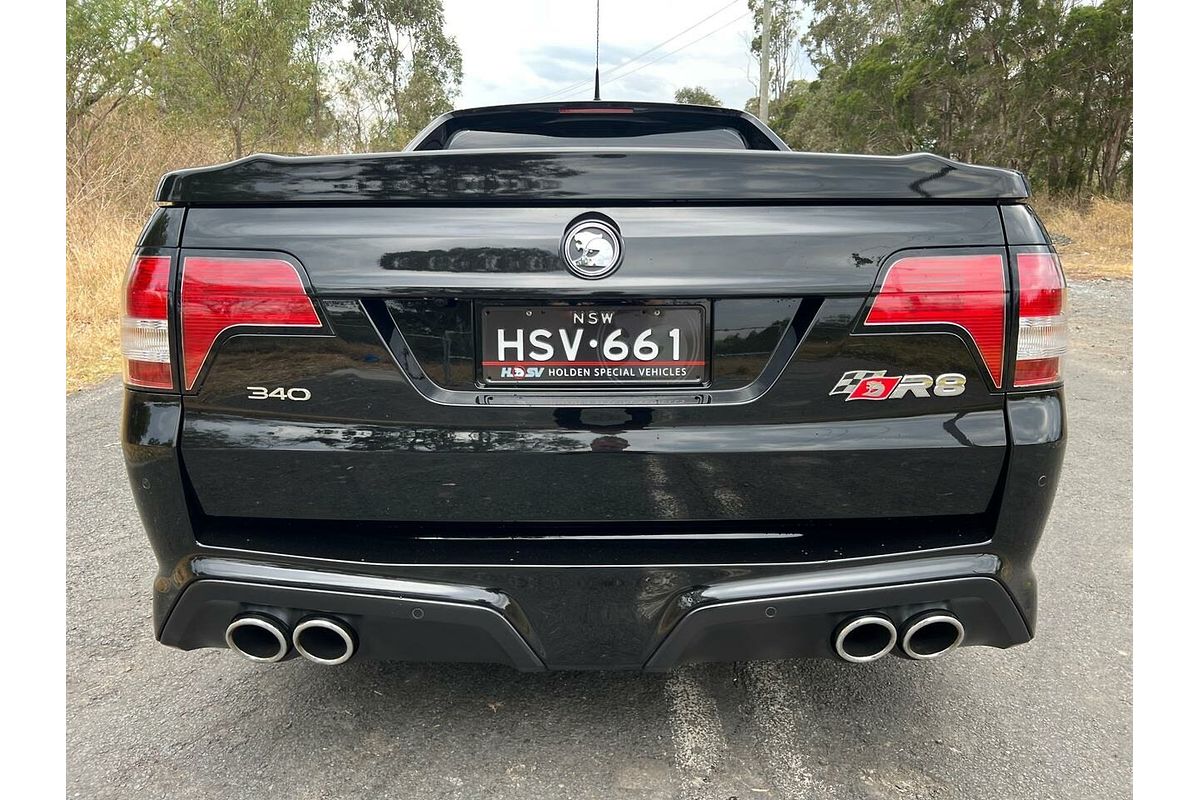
(596,125)
(706,138)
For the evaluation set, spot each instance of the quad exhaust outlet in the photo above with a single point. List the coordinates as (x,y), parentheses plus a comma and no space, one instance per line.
(323,640)
(865,638)
(860,639)
(258,637)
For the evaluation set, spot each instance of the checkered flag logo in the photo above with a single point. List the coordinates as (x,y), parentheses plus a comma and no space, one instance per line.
(852,378)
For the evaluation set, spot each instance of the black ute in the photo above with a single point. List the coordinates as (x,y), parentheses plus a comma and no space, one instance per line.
(594,385)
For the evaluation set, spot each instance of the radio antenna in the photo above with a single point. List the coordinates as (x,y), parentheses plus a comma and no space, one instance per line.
(597,93)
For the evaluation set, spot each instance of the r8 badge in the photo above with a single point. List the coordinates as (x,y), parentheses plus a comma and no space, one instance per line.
(865,384)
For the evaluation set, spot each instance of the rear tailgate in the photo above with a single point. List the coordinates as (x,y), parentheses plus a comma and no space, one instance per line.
(381,412)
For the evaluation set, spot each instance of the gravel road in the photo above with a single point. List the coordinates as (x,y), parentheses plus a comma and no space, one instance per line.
(1047,720)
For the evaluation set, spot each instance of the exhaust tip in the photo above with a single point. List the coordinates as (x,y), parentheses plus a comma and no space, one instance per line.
(324,641)
(258,637)
(932,635)
(866,638)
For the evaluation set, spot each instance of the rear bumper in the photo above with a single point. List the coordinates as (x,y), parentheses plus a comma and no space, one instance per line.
(544,604)
(784,616)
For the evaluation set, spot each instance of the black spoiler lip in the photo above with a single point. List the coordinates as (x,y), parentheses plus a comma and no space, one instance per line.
(588,175)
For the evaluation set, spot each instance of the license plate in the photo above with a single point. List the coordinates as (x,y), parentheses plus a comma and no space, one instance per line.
(589,345)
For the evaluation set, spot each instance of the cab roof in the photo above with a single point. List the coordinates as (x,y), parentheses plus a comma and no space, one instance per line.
(596,118)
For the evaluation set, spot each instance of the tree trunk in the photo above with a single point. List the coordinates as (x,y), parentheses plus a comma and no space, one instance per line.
(947,130)
(1075,164)
(1114,153)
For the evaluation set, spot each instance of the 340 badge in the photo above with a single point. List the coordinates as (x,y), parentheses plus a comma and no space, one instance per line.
(865,384)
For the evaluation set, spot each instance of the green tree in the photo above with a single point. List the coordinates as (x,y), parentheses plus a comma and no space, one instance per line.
(785,32)
(842,30)
(250,67)
(697,96)
(406,69)
(1043,86)
(110,48)
(1091,133)
(802,117)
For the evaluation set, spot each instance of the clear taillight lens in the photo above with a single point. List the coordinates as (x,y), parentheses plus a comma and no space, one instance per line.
(145,334)
(222,293)
(1042,330)
(964,291)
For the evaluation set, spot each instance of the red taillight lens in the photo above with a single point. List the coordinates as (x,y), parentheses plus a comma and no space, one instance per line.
(965,291)
(145,338)
(222,293)
(1042,332)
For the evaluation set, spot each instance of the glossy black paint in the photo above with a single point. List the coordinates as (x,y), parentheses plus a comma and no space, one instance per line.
(1038,426)
(811,456)
(386,626)
(734,381)
(439,335)
(792,625)
(594,177)
(655,573)
(670,252)
(1022,227)
(597,601)
(782,617)
(795,434)
(163,228)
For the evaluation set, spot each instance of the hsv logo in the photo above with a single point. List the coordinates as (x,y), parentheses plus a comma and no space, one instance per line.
(521,372)
(865,384)
(592,248)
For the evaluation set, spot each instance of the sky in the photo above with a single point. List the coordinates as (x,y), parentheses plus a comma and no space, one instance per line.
(520,51)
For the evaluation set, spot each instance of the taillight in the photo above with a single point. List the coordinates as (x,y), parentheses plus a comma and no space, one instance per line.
(966,291)
(145,341)
(222,293)
(1042,330)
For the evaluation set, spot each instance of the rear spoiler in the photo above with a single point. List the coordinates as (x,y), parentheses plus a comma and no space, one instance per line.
(591,176)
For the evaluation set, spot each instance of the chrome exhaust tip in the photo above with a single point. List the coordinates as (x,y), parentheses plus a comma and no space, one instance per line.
(931,635)
(258,637)
(866,638)
(323,640)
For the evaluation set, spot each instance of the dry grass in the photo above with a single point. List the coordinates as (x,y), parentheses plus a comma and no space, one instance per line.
(110,188)
(98,250)
(1094,237)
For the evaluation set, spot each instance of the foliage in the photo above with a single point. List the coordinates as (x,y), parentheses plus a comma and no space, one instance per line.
(405,72)
(843,30)
(785,31)
(697,96)
(248,67)
(256,74)
(110,49)
(1043,86)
